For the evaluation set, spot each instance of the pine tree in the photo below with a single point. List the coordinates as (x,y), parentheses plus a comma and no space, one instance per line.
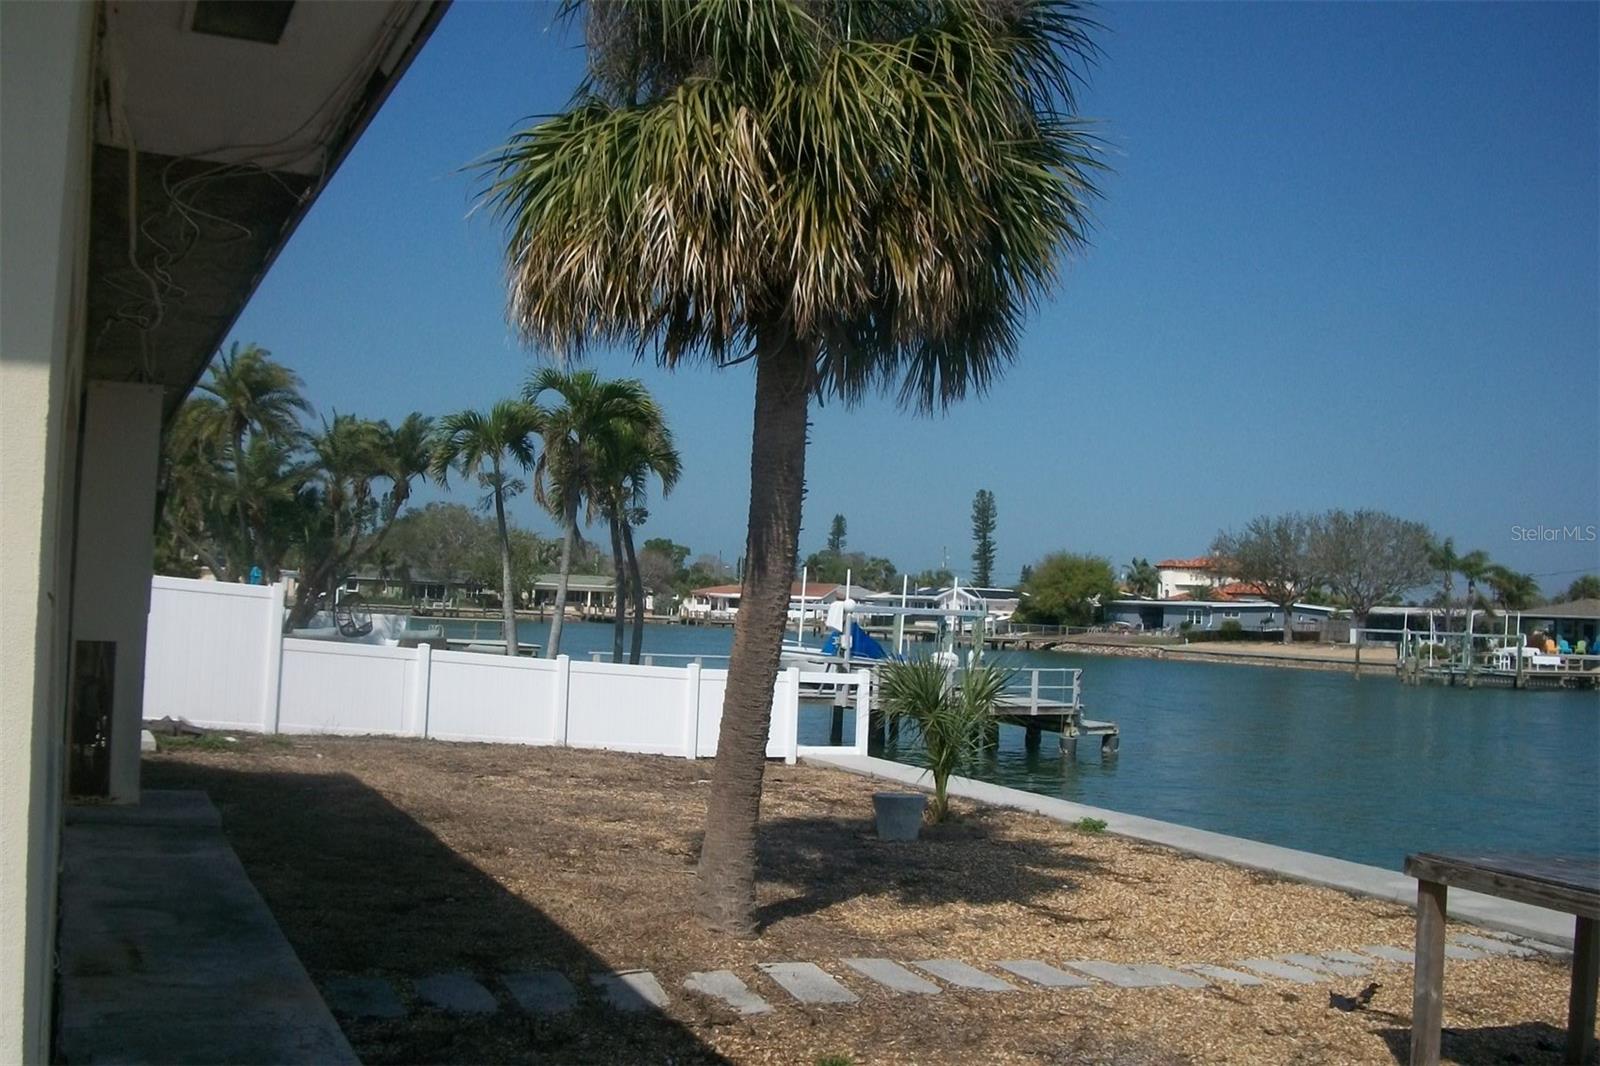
(983,523)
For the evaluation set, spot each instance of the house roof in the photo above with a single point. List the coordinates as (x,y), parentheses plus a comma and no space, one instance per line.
(596,582)
(1203,562)
(1589,608)
(1254,603)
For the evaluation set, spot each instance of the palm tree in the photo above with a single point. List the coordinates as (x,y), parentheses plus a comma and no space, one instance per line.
(1513,591)
(256,397)
(1143,579)
(1443,558)
(636,452)
(487,445)
(851,197)
(577,432)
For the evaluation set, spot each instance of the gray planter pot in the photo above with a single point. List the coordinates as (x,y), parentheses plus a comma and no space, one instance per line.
(899,814)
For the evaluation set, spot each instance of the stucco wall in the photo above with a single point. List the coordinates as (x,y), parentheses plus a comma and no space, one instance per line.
(44,115)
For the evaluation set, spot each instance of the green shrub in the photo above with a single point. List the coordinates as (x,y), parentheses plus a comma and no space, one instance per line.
(1231,629)
(951,717)
(1090,825)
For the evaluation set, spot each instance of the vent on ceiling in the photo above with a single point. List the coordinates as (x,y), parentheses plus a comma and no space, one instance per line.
(244,20)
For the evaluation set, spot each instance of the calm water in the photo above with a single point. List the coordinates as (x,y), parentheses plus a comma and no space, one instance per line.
(1307,759)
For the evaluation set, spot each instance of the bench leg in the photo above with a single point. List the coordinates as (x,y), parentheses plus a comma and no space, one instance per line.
(1585,979)
(1427,1000)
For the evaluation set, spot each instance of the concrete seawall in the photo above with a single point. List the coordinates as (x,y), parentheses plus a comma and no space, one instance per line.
(1213,653)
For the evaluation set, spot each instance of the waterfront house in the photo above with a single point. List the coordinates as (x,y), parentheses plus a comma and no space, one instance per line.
(420,587)
(587,594)
(1572,621)
(720,603)
(1199,575)
(1253,615)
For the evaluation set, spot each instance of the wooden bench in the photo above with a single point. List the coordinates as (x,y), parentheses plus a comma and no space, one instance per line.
(1568,885)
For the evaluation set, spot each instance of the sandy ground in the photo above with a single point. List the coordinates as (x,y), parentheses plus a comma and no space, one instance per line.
(402,858)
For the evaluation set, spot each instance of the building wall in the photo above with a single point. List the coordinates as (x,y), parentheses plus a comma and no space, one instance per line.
(115,533)
(45,52)
(1176,582)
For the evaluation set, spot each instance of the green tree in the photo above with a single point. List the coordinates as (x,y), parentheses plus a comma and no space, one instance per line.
(1369,557)
(255,397)
(850,197)
(577,429)
(491,446)
(1065,588)
(1144,580)
(633,452)
(1512,591)
(984,516)
(1277,553)
(836,530)
(1586,587)
(934,579)
(1444,560)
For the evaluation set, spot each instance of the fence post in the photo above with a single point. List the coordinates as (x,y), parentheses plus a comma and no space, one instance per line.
(691,711)
(421,678)
(863,709)
(272,676)
(791,743)
(561,701)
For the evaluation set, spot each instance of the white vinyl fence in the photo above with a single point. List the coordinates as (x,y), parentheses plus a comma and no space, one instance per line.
(216,656)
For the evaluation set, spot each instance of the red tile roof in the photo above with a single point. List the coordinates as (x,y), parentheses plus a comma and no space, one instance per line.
(1204,562)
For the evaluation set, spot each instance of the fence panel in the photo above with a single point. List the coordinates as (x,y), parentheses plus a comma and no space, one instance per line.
(207,652)
(472,696)
(347,689)
(626,708)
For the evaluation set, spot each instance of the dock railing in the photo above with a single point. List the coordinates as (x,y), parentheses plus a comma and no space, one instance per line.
(1044,690)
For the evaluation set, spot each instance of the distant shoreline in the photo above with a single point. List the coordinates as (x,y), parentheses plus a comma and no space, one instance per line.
(1375,658)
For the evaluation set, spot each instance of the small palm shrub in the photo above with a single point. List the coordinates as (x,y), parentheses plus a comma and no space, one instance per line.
(950,712)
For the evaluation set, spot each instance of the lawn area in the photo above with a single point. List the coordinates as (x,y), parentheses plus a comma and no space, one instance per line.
(403,858)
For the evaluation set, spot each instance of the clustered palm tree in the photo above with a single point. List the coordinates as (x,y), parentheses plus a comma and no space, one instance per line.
(246,489)
(848,197)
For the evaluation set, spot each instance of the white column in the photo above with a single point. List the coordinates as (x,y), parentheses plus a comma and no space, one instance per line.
(561,682)
(416,722)
(113,554)
(863,708)
(691,711)
(791,710)
(272,676)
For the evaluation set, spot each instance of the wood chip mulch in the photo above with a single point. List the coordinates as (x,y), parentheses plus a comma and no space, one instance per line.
(403,858)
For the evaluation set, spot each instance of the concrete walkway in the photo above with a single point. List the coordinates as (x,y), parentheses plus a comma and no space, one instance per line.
(168,953)
(1488,911)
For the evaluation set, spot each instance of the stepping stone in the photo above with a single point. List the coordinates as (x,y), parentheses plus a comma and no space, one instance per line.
(542,991)
(1042,973)
(362,997)
(1226,976)
(1462,952)
(1494,947)
(807,982)
(1282,971)
(1137,976)
(459,993)
(1389,954)
(1350,957)
(630,991)
(893,976)
(958,973)
(726,986)
(1320,964)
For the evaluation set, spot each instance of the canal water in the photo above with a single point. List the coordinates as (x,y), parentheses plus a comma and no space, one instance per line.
(1364,770)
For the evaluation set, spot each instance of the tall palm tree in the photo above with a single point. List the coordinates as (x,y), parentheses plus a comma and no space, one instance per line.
(1444,560)
(489,446)
(636,452)
(578,427)
(1475,567)
(256,396)
(848,196)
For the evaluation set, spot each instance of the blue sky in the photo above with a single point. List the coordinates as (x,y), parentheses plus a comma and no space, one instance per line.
(1348,255)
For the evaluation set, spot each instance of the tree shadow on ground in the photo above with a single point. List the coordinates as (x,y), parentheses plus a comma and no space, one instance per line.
(976,858)
(360,887)
(1501,1045)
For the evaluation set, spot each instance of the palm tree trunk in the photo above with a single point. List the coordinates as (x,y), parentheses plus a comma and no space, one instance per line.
(242,571)
(636,580)
(1288,622)
(619,582)
(725,893)
(508,603)
(560,614)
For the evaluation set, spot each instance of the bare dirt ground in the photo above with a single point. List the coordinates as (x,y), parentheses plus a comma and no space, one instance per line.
(403,858)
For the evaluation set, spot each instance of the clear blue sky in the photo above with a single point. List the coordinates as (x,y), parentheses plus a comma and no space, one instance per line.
(1349,255)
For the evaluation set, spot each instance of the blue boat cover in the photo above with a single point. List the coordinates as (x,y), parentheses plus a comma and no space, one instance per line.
(862,646)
